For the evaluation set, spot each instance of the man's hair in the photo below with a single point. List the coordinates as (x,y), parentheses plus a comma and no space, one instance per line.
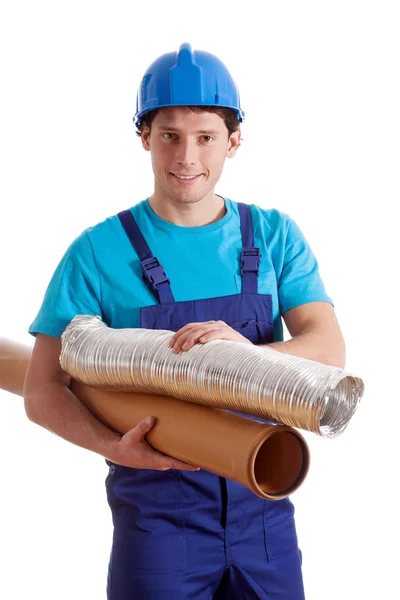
(229,116)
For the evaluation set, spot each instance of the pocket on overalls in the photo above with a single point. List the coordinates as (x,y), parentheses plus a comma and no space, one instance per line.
(280,535)
(245,328)
(254,330)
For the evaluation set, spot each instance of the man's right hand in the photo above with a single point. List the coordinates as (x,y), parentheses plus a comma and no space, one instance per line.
(133,450)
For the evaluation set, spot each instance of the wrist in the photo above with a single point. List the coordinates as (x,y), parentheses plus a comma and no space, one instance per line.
(111,448)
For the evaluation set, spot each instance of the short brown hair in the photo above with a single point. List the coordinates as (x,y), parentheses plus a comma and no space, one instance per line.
(228,115)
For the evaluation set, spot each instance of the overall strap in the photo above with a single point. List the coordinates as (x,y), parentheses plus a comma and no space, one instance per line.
(250,257)
(153,272)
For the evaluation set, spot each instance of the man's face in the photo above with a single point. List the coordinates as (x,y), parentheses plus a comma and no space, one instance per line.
(188,152)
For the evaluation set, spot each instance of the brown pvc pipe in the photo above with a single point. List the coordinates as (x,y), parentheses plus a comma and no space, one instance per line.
(14,360)
(271,460)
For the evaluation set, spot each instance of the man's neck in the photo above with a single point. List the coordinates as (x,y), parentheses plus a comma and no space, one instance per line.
(196,214)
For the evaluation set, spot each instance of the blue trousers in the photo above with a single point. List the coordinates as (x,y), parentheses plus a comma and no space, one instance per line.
(250,577)
(180,545)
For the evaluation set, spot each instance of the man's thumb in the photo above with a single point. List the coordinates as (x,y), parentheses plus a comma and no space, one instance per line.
(144,426)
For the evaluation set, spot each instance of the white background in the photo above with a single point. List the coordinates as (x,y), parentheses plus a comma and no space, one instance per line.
(320,86)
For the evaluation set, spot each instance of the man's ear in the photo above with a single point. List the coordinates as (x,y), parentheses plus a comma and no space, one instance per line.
(234,143)
(145,136)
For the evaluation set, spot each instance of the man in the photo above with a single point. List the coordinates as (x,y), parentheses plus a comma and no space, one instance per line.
(229,271)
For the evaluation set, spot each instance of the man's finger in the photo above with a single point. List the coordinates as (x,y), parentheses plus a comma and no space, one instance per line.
(139,431)
(186,328)
(163,462)
(188,339)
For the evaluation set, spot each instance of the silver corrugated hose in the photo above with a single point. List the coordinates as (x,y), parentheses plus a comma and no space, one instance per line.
(240,377)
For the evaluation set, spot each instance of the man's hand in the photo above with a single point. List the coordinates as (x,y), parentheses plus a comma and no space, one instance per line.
(132,450)
(201,333)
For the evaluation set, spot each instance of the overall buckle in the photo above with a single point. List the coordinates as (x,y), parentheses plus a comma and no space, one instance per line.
(154,272)
(250,260)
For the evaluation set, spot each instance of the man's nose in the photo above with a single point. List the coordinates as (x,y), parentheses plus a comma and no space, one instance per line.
(187,153)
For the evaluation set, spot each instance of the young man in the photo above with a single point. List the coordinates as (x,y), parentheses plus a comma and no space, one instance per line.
(228,271)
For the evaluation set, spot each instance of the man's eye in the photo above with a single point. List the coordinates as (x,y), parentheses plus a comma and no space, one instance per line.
(168,136)
(207,138)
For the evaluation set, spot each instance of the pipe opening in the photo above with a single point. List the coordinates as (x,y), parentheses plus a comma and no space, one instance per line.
(340,405)
(281,463)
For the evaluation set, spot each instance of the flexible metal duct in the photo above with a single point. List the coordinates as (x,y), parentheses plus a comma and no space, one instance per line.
(223,374)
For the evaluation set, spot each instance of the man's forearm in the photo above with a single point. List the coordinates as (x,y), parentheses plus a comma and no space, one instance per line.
(314,346)
(57,409)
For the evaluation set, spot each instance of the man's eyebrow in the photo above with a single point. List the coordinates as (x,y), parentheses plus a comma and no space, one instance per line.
(175,130)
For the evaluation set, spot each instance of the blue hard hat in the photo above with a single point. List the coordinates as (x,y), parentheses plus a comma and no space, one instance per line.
(187,78)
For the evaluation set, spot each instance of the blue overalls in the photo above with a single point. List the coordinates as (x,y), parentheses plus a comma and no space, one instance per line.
(180,535)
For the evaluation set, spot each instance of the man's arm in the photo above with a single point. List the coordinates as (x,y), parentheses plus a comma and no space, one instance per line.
(314,329)
(50,403)
(316,334)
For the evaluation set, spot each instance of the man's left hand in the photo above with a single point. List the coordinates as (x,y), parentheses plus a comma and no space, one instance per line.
(201,333)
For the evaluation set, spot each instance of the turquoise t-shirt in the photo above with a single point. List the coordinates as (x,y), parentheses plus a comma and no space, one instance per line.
(100,273)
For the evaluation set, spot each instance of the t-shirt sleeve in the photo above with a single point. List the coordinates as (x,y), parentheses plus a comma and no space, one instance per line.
(74,289)
(300,281)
